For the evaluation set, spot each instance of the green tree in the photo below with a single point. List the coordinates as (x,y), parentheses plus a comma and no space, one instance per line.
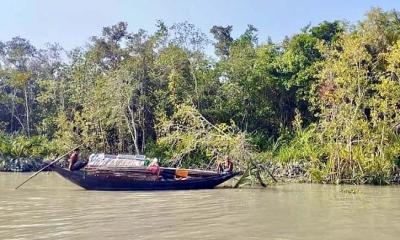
(224,40)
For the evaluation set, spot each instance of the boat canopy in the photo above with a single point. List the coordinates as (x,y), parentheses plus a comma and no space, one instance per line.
(120,160)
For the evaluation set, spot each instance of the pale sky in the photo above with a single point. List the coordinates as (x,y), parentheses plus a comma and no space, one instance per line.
(72,22)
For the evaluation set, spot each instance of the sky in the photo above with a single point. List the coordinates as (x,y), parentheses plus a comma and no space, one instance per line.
(72,22)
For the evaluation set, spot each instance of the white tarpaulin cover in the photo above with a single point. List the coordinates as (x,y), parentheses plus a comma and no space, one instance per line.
(104,160)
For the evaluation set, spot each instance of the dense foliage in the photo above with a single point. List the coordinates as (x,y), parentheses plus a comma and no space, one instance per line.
(327,97)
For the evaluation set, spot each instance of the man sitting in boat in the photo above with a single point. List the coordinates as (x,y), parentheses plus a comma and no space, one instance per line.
(74,162)
(154,168)
(226,167)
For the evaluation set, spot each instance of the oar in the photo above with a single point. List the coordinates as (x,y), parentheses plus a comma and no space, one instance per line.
(48,165)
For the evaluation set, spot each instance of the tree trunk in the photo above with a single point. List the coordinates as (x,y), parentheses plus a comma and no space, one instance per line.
(12,111)
(27,112)
(143,139)
(133,130)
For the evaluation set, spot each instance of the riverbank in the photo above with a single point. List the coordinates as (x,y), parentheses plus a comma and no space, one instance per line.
(301,173)
(9,164)
(288,173)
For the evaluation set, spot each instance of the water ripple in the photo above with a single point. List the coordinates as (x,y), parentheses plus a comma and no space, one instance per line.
(51,208)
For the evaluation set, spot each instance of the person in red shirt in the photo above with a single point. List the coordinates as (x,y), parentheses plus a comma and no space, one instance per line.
(154,167)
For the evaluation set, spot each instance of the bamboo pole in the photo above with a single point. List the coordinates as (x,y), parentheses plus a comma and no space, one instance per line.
(48,165)
(241,179)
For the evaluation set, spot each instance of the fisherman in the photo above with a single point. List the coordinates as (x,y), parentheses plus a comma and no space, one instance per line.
(226,167)
(74,162)
(154,167)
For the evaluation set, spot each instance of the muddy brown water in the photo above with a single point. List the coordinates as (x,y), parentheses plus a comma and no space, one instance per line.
(49,207)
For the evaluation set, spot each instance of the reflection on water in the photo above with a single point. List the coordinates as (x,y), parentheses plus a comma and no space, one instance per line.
(49,207)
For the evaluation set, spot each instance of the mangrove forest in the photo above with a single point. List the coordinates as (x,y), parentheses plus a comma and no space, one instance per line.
(322,105)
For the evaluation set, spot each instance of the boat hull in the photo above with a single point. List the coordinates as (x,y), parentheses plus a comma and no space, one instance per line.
(112,183)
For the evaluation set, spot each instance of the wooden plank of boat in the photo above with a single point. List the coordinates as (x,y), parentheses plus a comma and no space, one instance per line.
(118,182)
(143,173)
(192,172)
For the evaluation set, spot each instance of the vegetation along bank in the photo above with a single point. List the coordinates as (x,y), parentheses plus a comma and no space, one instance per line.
(322,105)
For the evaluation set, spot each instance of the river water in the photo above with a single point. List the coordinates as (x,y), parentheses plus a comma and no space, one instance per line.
(49,207)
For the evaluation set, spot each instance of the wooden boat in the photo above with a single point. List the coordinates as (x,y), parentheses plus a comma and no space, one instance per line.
(128,179)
